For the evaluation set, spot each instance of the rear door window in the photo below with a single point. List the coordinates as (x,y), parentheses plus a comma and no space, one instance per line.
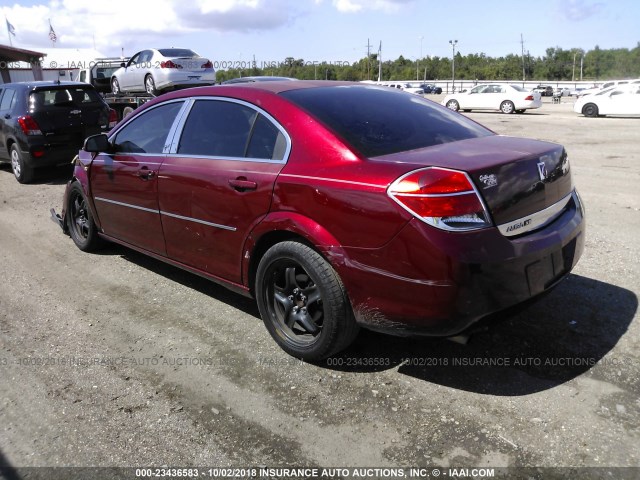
(218,128)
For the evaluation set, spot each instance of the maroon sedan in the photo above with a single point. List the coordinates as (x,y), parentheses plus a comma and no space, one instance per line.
(336,205)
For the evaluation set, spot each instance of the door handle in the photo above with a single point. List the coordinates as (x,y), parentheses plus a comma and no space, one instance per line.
(241,184)
(146,174)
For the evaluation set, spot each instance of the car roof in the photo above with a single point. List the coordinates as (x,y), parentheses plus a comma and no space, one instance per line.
(260,78)
(246,89)
(277,86)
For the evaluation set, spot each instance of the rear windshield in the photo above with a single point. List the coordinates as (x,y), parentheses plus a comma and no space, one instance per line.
(178,52)
(63,97)
(379,121)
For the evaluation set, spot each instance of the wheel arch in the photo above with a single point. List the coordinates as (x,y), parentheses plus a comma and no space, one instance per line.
(280,227)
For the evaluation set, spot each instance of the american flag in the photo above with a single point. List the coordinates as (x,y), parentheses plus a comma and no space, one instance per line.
(10,28)
(52,34)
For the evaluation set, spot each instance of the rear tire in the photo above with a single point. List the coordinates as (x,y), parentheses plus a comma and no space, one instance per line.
(453,105)
(23,172)
(590,110)
(303,302)
(507,107)
(82,228)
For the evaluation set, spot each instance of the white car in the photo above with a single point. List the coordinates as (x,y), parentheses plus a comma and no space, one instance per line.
(504,97)
(607,85)
(406,87)
(156,70)
(620,100)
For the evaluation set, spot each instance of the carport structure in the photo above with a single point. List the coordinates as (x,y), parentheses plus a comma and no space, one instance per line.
(12,54)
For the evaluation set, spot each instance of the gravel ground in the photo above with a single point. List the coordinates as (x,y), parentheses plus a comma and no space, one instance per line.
(115,359)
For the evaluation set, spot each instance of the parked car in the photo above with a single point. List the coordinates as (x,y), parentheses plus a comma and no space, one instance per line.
(562,92)
(43,124)
(544,90)
(406,87)
(495,96)
(431,88)
(158,70)
(605,86)
(263,78)
(335,204)
(620,100)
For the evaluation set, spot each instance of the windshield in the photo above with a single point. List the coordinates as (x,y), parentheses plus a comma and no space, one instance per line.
(518,88)
(379,121)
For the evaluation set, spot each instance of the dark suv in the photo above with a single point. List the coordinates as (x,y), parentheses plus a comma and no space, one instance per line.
(45,123)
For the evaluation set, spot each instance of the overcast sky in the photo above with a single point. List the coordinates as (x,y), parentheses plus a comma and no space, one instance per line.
(324,30)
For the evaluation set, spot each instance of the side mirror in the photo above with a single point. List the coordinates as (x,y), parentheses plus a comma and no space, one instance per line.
(122,64)
(97,143)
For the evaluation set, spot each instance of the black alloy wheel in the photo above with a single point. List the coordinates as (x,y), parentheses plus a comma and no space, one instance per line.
(303,302)
(82,228)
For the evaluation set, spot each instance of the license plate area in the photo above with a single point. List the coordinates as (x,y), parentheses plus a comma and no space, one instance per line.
(545,272)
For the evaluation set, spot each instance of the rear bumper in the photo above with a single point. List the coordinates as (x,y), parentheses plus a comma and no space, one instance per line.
(173,79)
(529,104)
(48,155)
(431,282)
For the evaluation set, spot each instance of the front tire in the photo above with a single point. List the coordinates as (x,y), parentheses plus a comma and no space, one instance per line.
(115,86)
(453,105)
(507,107)
(303,302)
(590,110)
(82,228)
(150,85)
(23,172)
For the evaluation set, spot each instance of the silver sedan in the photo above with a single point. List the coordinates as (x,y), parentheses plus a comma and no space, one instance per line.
(156,70)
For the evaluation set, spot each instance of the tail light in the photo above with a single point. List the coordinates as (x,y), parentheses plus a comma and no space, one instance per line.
(113,118)
(443,198)
(207,65)
(169,64)
(529,97)
(29,125)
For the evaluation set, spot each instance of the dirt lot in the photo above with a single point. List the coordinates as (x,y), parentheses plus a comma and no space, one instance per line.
(114,359)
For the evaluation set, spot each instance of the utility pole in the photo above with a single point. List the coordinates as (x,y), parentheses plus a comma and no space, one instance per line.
(453,63)
(421,37)
(524,75)
(581,63)
(368,59)
(380,62)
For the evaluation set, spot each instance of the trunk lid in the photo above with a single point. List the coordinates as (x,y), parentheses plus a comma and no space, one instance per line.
(191,64)
(516,177)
